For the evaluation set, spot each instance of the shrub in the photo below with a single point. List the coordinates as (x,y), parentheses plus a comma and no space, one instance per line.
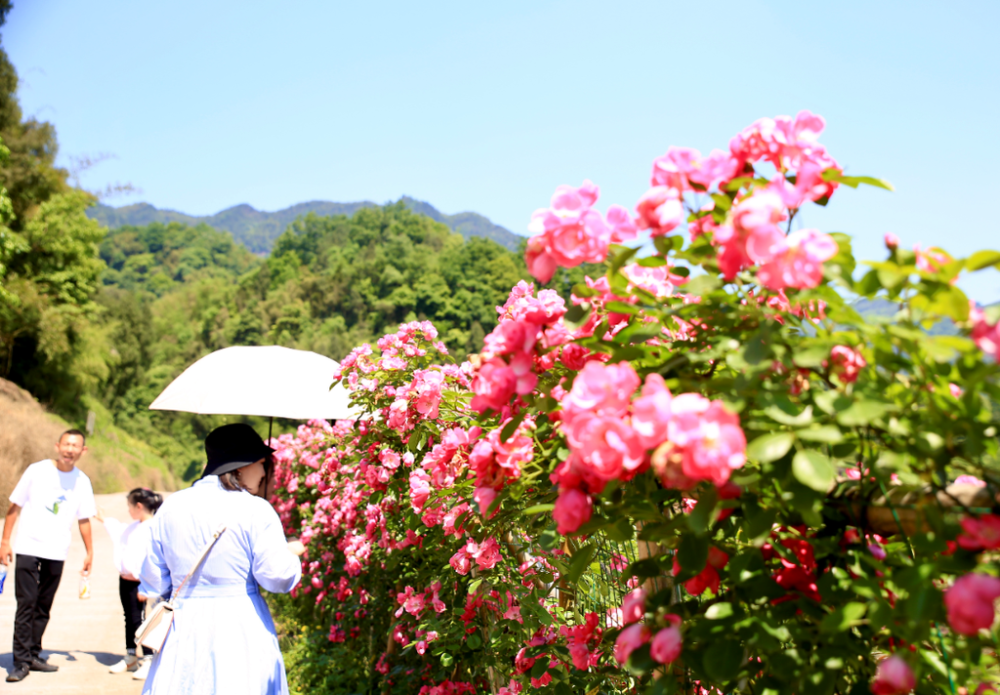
(705,472)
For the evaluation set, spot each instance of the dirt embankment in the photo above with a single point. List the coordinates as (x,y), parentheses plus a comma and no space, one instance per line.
(28,433)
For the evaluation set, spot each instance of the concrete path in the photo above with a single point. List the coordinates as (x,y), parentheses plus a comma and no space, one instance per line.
(83,637)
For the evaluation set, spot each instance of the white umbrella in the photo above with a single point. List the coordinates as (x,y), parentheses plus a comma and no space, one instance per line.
(269,381)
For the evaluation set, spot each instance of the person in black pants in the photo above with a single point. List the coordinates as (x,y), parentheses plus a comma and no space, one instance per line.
(36,580)
(49,497)
(131,544)
(128,591)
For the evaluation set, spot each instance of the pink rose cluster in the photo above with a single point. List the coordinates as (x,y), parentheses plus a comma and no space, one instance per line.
(610,437)
(846,363)
(986,335)
(664,647)
(524,320)
(447,687)
(583,641)
(486,555)
(415,603)
(571,232)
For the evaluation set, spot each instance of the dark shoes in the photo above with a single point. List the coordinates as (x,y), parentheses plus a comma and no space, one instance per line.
(19,673)
(44,667)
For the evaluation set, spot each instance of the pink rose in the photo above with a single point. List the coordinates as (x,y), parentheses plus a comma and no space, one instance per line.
(894,677)
(666,646)
(484,496)
(568,233)
(985,335)
(604,448)
(630,639)
(651,412)
(634,606)
(797,260)
(461,561)
(494,384)
(970,603)
(487,554)
(710,437)
(681,167)
(660,210)
(846,362)
(603,389)
(980,534)
(891,241)
(573,509)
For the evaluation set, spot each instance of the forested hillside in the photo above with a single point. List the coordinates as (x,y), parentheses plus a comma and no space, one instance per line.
(258,230)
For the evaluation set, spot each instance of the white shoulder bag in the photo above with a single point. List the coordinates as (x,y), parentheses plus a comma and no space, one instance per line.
(153,631)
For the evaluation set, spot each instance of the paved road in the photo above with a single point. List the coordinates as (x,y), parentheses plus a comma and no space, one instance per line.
(83,637)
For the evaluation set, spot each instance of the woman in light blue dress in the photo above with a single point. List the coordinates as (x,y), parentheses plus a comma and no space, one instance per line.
(223,639)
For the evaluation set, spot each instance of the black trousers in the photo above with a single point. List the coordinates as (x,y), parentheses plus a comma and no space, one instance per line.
(36,580)
(129,593)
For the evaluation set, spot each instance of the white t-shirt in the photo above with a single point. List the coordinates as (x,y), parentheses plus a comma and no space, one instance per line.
(131,544)
(50,502)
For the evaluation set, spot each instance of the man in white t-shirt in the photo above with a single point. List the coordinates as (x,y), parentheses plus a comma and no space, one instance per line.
(49,497)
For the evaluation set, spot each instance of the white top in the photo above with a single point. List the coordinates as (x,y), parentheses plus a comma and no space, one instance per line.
(50,502)
(131,544)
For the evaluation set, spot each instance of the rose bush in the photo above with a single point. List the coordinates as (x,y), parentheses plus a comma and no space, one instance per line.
(701,471)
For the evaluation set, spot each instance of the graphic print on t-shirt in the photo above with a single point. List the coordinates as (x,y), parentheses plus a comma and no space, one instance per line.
(55,505)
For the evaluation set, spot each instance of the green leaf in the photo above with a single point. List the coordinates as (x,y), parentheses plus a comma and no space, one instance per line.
(813,469)
(827,434)
(576,315)
(724,660)
(538,509)
(770,447)
(508,430)
(812,356)
(722,201)
(447,660)
(617,307)
(652,262)
(718,611)
(845,617)
(832,174)
(788,416)
(983,259)
(582,291)
(862,412)
(702,285)
(621,531)
(621,256)
(700,518)
(580,562)
(692,554)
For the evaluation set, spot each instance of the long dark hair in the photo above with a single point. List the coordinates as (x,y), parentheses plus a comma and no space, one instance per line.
(147,498)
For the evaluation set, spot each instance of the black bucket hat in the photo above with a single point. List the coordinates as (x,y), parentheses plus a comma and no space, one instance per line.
(233,446)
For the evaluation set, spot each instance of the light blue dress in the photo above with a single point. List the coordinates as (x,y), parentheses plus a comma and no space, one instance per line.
(223,639)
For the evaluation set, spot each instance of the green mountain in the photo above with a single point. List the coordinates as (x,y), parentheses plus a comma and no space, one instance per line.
(258,230)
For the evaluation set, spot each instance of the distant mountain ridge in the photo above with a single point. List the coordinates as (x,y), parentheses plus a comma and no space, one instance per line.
(257,230)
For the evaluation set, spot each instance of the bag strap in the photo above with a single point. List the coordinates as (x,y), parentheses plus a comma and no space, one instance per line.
(204,553)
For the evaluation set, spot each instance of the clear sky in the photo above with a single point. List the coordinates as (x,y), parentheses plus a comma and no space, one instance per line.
(489,106)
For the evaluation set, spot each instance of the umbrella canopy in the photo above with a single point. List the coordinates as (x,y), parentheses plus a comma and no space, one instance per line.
(270,381)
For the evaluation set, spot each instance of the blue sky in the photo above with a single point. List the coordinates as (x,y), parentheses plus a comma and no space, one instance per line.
(489,106)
